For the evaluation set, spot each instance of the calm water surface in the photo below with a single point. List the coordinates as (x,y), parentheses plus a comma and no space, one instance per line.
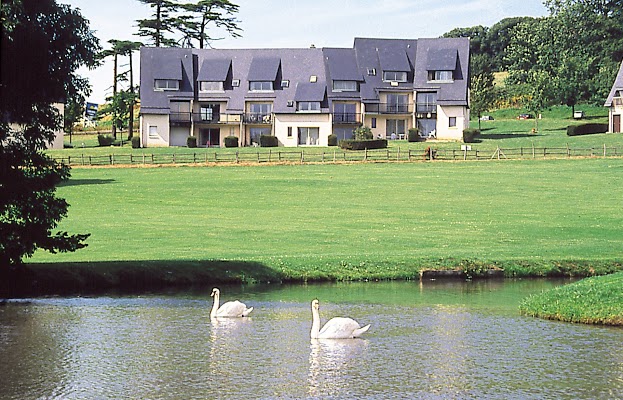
(436,340)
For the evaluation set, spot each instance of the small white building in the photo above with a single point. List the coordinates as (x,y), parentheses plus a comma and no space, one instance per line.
(615,103)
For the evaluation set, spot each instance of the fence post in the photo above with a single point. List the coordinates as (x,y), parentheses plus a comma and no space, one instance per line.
(82,156)
(90,163)
(533,152)
(334,151)
(112,161)
(398,155)
(143,158)
(604,150)
(568,151)
(270,152)
(302,157)
(365,154)
(237,157)
(322,157)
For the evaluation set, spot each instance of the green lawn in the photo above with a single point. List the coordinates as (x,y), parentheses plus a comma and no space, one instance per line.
(352,221)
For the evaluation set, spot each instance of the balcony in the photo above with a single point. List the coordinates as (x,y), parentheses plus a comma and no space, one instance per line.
(385,108)
(216,118)
(425,108)
(179,118)
(346,118)
(258,118)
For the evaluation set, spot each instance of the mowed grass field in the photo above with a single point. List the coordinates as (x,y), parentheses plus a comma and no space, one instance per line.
(371,218)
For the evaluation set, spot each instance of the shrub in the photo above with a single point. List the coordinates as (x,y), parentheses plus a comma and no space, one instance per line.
(363,133)
(470,134)
(363,144)
(332,141)
(586,129)
(231,141)
(269,141)
(136,142)
(413,135)
(105,140)
(191,141)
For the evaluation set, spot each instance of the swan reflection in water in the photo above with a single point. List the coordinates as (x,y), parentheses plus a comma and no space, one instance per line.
(226,344)
(332,364)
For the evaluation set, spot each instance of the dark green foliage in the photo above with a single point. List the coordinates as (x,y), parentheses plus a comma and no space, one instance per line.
(269,141)
(43,44)
(586,129)
(231,141)
(363,144)
(332,140)
(413,135)
(363,133)
(161,24)
(191,141)
(205,14)
(136,142)
(105,140)
(470,134)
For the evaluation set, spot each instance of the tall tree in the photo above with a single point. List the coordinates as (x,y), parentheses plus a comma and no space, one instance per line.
(206,13)
(482,90)
(161,23)
(43,44)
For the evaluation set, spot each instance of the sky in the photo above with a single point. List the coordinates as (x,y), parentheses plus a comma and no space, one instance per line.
(299,24)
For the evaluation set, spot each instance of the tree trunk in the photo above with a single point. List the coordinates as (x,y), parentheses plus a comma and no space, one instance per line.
(114,95)
(157,41)
(131,116)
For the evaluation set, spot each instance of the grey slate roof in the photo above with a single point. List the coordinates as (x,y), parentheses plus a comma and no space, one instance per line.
(454,93)
(296,66)
(617,85)
(214,70)
(264,68)
(441,60)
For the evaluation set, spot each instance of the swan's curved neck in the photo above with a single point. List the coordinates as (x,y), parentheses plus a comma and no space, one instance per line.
(315,329)
(215,305)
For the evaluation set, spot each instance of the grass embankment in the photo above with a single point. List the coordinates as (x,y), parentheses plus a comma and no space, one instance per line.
(596,300)
(341,222)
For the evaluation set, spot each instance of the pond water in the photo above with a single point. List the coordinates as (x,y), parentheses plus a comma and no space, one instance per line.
(431,340)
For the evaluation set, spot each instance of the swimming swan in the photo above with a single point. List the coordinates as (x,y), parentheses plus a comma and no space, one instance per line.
(336,328)
(231,309)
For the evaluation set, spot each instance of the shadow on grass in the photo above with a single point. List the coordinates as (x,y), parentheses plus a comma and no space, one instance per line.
(127,277)
(78,182)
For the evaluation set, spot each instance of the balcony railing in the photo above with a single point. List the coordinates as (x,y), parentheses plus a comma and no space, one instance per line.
(179,118)
(426,108)
(258,118)
(385,108)
(346,118)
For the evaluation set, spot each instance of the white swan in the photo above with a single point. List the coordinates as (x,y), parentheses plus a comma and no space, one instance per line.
(231,309)
(336,328)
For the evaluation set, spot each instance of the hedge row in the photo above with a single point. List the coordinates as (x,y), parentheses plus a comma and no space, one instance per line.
(363,144)
(586,129)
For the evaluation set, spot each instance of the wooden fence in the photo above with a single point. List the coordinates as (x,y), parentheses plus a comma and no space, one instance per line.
(335,156)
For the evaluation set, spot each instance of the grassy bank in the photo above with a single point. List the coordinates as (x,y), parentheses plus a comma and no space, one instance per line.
(341,222)
(596,300)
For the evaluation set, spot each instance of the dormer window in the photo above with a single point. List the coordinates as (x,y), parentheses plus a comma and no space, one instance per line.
(261,86)
(210,86)
(309,106)
(166,84)
(440,76)
(344,86)
(394,76)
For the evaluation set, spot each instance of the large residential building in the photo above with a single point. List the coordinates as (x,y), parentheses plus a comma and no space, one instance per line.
(302,96)
(615,103)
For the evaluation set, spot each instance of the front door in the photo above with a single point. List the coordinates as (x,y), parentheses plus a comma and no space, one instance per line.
(210,137)
(616,123)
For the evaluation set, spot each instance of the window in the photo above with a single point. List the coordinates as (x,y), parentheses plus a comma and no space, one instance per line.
(426,103)
(289,131)
(261,86)
(396,76)
(166,84)
(313,79)
(344,133)
(259,113)
(440,76)
(344,86)
(255,134)
(285,83)
(235,82)
(398,103)
(373,123)
(452,122)
(210,86)
(371,71)
(308,136)
(394,128)
(153,132)
(344,113)
(308,106)
(206,113)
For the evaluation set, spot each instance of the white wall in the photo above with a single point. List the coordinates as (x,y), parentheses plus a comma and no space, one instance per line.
(160,123)
(302,120)
(444,131)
